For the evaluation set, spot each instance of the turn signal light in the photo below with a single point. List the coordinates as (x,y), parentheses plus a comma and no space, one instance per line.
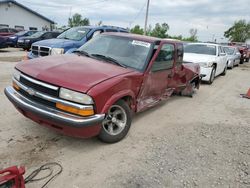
(15,86)
(81,112)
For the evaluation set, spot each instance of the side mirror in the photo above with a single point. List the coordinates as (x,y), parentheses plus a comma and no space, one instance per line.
(238,53)
(222,54)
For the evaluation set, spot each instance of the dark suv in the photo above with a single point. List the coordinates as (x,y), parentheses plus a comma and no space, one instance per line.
(26,42)
(70,40)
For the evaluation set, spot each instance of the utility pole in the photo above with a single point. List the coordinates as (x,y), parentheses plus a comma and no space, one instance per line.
(146,19)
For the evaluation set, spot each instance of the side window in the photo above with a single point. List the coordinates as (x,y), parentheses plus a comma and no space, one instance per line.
(180,51)
(165,58)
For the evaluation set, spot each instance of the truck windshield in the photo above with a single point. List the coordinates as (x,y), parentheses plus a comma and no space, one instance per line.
(76,33)
(200,49)
(125,51)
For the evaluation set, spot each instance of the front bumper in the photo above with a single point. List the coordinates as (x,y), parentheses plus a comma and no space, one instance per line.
(206,73)
(66,123)
(23,45)
(3,45)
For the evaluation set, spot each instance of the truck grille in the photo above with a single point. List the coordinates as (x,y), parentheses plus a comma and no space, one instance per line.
(40,50)
(28,83)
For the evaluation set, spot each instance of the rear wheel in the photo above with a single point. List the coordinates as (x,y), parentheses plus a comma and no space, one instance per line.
(117,123)
(212,76)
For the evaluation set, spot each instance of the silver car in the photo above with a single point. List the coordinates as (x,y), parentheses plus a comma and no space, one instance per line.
(233,56)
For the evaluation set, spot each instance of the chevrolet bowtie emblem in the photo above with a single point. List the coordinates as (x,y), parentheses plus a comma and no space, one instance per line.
(31,91)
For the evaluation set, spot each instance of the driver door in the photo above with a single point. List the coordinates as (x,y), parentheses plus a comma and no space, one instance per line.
(155,84)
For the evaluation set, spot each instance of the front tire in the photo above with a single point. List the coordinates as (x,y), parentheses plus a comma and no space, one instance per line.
(225,71)
(212,76)
(117,123)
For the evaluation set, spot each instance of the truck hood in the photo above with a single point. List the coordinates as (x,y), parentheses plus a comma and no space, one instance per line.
(71,71)
(198,58)
(57,43)
(192,67)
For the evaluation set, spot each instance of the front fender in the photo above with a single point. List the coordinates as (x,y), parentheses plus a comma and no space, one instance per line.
(113,99)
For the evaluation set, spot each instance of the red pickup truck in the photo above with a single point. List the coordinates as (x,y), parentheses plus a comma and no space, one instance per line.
(97,89)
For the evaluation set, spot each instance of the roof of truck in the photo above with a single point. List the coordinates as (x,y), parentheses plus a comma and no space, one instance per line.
(141,37)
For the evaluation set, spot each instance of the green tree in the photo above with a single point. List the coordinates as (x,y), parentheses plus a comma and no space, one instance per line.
(77,20)
(160,30)
(239,32)
(137,30)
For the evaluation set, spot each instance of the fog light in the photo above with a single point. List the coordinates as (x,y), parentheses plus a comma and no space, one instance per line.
(81,112)
(15,86)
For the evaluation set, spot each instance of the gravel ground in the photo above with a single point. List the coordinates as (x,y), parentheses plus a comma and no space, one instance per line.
(11,54)
(202,141)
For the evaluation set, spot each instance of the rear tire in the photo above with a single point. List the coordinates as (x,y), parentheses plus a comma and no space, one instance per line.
(117,123)
(212,76)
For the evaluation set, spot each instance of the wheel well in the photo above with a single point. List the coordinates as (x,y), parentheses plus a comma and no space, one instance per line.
(215,65)
(128,100)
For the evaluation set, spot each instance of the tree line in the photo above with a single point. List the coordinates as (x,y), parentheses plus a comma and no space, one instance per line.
(239,32)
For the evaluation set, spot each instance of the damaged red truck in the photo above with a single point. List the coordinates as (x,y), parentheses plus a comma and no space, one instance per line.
(96,90)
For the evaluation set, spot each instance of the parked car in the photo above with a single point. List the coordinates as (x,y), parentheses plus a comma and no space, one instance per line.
(233,56)
(26,42)
(3,42)
(7,31)
(69,40)
(12,40)
(243,50)
(211,57)
(96,89)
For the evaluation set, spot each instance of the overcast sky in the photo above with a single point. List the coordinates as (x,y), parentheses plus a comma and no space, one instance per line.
(210,17)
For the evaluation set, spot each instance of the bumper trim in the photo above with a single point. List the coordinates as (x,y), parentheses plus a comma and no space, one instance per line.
(50,114)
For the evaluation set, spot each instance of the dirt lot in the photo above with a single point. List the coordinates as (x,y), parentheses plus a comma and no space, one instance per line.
(12,54)
(202,141)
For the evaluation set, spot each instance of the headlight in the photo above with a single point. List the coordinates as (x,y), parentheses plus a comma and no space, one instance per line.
(56,51)
(16,74)
(27,40)
(14,37)
(205,64)
(75,96)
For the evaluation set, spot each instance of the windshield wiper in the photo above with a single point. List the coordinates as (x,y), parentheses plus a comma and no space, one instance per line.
(82,52)
(110,59)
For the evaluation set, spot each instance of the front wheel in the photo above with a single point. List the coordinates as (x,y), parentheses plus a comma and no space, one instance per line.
(212,76)
(117,123)
(225,71)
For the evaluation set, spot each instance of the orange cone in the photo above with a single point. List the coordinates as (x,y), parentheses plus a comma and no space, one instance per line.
(246,95)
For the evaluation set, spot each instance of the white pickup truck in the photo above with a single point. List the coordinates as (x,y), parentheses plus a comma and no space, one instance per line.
(211,58)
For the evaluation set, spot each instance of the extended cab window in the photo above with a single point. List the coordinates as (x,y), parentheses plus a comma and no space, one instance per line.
(180,52)
(165,58)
